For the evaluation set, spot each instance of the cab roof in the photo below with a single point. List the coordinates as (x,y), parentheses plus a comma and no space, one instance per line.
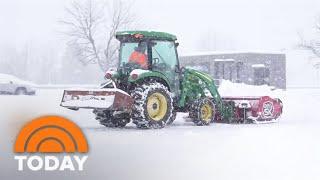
(146,35)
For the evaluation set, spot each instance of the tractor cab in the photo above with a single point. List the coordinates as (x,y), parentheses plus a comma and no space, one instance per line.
(149,50)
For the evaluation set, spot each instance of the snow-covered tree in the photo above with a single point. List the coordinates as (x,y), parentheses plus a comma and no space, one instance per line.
(312,44)
(91,26)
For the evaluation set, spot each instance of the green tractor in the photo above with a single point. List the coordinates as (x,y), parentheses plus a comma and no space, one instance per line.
(151,92)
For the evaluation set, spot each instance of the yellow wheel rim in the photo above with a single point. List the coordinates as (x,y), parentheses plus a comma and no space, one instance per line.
(157,106)
(206,113)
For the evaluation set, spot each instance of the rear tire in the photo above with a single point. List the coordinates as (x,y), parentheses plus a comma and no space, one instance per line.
(108,119)
(202,112)
(152,106)
(173,117)
(20,91)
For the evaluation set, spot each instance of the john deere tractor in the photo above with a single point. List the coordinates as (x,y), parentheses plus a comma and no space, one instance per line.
(150,95)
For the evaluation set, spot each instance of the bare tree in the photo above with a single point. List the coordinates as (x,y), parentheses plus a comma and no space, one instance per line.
(92,25)
(313,45)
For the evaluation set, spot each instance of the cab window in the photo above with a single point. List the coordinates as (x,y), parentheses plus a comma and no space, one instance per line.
(133,52)
(164,54)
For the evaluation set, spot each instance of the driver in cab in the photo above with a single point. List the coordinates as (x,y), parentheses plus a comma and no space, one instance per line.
(139,56)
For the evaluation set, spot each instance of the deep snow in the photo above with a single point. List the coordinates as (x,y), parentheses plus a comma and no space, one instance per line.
(288,149)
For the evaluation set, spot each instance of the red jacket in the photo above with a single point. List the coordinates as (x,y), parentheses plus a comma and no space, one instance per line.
(139,58)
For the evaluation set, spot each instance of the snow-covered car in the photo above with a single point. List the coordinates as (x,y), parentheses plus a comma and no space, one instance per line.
(12,85)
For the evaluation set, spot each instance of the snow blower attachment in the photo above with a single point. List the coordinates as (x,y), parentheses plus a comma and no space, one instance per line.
(255,109)
(149,88)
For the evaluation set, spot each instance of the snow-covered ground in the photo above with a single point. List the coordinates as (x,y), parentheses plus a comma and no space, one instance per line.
(289,149)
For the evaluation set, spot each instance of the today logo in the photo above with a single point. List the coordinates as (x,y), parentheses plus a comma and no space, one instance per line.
(51,134)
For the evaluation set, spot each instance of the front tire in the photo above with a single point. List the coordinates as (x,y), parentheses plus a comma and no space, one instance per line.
(152,107)
(202,112)
(107,119)
(20,91)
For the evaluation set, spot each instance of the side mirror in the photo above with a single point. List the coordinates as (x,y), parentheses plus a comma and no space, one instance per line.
(177,69)
(176,44)
(11,82)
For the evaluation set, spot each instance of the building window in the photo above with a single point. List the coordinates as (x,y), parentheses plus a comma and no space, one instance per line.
(238,70)
(261,74)
(223,69)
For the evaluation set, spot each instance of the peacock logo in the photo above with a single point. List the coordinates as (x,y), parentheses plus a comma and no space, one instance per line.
(50,134)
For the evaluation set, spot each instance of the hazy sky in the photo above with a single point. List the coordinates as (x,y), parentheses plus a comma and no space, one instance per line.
(229,24)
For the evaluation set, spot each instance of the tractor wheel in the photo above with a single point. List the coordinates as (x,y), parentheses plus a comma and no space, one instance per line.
(173,117)
(202,112)
(20,91)
(152,106)
(107,119)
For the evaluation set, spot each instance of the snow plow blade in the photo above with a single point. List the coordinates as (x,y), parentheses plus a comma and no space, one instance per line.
(256,109)
(111,99)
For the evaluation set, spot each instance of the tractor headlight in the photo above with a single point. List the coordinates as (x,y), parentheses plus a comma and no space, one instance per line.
(108,75)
